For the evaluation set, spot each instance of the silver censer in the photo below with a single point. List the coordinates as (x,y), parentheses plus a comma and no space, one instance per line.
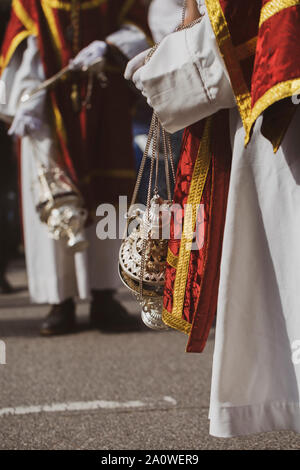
(142,260)
(60,206)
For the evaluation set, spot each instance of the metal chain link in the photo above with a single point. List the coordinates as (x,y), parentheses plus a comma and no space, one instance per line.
(155,130)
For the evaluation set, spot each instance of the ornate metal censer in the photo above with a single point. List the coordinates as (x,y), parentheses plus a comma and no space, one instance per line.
(143,253)
(142,261)
(60,206)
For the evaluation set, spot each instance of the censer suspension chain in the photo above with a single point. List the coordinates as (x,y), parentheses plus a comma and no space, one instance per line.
(156,132)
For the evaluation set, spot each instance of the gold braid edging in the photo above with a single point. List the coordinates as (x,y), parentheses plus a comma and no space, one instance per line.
(195,194)
(176,323)
(53,28)
(228,51)
(232,55)
(12,48)
(23,16)
(31,30)
(66,5)
(172,259)
(276,93)
(59,124)
(275,6)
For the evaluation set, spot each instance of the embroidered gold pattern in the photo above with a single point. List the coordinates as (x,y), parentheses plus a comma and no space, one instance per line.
(24,17)
(31,30)
(59,122)
(277,92)
(231,60)
(232,55)
(172,259)
(196,190)
(13,46)
(66,5)
(176,323)
(275,6)
(52,26)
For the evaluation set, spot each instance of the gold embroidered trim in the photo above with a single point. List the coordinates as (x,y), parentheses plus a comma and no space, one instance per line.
(24,17)
(247,49)
(53,27)
(31,30)
(59,122)
(228,51)
(196,190)
(276,93)
(172,259)
(65,5)
(176,323)
(275,6)
(13,46)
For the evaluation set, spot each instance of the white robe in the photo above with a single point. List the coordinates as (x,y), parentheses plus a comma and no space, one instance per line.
(164,17)
(54,274)
(256,364)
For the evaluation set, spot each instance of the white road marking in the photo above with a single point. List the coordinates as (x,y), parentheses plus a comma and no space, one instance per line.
(170,400)
(84,406)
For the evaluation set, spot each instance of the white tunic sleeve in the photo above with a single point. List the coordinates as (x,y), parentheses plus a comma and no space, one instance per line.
(129,39)
(24,71)
(186,79)
(164,17)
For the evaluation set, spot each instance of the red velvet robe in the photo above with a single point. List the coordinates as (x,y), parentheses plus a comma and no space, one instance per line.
(95,144)
(259,42)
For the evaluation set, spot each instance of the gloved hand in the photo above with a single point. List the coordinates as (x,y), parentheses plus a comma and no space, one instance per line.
(133,72)
(88,55)
(29,117)
(134,64)
(24,124)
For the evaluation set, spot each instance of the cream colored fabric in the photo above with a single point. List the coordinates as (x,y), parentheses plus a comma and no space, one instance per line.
(256,368)
(164,17)
(130,40)
(256,364)
(185,61)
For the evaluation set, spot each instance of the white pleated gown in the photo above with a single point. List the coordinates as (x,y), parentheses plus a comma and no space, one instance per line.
(256,364)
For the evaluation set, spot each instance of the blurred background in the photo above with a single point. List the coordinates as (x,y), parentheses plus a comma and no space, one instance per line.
(10,232)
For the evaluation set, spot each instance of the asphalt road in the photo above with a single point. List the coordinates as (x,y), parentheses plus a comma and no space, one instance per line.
(105,391)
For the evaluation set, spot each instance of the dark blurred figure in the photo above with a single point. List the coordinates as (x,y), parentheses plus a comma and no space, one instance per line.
(8,208)
(8,186)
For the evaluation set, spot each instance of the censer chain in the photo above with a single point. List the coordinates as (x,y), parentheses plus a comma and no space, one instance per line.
(156,129)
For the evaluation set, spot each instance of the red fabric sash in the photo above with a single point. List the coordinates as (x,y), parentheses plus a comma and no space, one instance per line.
(259,41)
(200,294)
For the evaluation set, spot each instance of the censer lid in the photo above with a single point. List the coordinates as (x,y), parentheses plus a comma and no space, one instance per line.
(143,246)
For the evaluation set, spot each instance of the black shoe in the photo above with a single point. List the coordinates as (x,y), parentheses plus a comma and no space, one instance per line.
(107,314)
(60,320)
(5,287)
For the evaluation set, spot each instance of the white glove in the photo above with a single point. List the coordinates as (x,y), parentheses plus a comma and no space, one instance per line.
(134,64)
(88,55)
(137,80)
(24,124)
(29,117)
